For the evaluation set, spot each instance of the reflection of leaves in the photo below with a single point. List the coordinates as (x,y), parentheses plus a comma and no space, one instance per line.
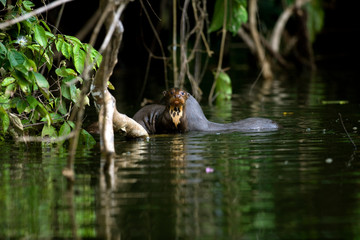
(236,15)
(48,131)
(5,121)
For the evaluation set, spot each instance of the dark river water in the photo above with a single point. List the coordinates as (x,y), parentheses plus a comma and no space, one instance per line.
(301,182)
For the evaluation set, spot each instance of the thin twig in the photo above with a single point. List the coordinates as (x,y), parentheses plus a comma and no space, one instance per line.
(33,13)
(221,54)
(342,123)
(254,83)
(174,47)
(159,41)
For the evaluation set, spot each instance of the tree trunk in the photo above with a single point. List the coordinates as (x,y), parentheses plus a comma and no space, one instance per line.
(109,117)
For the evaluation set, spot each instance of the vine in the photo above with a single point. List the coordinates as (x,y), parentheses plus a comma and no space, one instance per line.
(37,91)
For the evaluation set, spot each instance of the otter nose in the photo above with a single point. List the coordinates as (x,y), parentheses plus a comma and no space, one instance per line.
(177,96)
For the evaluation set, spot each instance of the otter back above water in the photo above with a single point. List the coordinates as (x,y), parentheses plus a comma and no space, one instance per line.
(156,119)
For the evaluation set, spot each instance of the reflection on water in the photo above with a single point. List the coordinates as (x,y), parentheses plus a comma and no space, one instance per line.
(296,183)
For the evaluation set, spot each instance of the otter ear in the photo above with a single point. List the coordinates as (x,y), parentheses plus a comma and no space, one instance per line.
(188,94)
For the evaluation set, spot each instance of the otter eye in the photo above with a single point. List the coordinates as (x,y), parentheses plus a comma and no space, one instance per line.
(182,93)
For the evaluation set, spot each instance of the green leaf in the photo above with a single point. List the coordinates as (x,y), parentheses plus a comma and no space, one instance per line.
(65,72)
(7,81)
(86,138)
(40,36)
(60,106)
(16,122)
(315,18)
(49,131)
(4,102)
(236,15)
(32,101)
(65,129)
(21,68)
(94,56)
(3,2)
(72,124)
(79,58)
(10,90)
(5,121)
(28,5)
(42,84)
(223,88)
(30,65)
(22,81)
(66,50)
(239,16)
(3,51)
(58,43)
(68,90)
(55,117)
(15,58)
(73,40)
(218,16)
(49,60)
(41,80)
(21,105)
(44,113)
(48,32)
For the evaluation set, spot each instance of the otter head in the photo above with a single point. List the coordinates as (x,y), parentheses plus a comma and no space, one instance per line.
(175,100)
(176,97)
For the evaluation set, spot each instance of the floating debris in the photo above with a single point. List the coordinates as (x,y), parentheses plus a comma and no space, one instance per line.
(335,102)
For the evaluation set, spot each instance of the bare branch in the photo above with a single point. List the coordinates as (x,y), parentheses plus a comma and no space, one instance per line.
(281,22)
(33,13)
(264,64)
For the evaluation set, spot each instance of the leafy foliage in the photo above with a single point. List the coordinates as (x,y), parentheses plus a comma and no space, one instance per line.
(223,87)
(315,19)
(236,15)
(36,93)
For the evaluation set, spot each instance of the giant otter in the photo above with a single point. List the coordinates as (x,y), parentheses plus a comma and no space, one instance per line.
(179,112)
